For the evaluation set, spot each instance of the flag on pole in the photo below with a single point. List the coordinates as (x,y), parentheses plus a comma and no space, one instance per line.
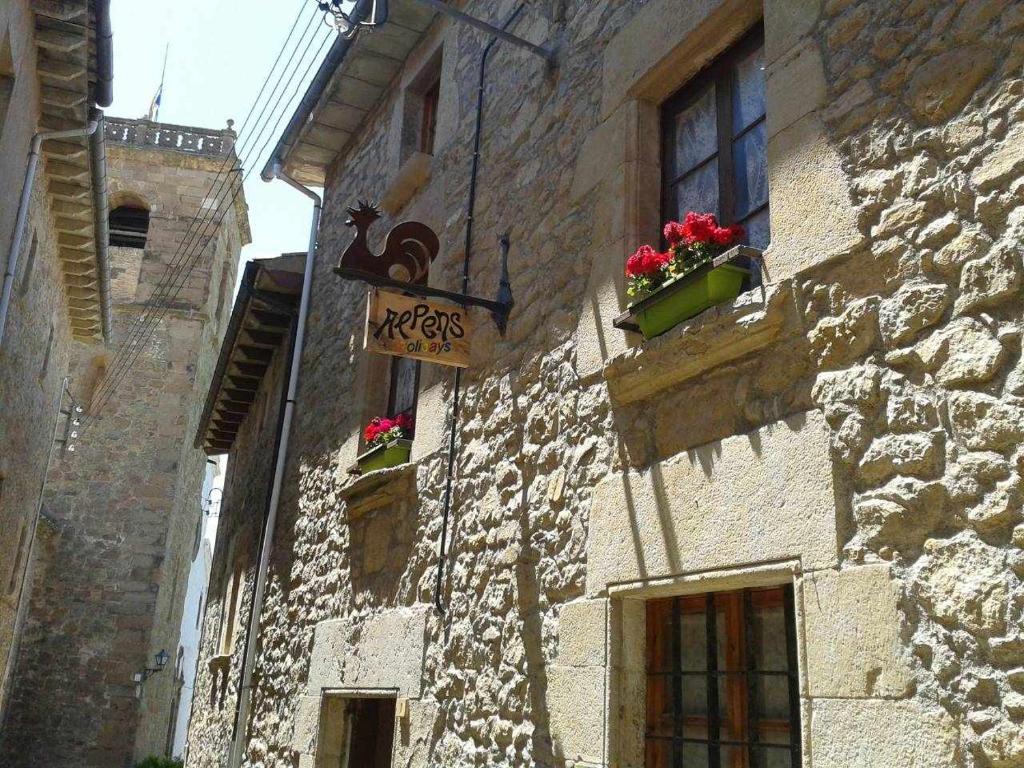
(154,106)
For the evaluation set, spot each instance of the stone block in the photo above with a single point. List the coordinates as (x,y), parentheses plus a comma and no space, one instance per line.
(914,307)
(943,84)
(582,633)
(787,22)
(766,495)
(1003,164)
(963,582)
(307,724)
(795,86)
(576,706)
(381,651)
(852,626)
(961,353)
(414,735)
(872,732)
(431,422)
(812,217)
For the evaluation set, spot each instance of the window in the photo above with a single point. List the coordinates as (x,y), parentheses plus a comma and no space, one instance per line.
(49,353)
(403,390)
(6,78)
(714,138)
(129,226)
(722,688)
(230,609)
(428,117)
(356,732)
(30,262)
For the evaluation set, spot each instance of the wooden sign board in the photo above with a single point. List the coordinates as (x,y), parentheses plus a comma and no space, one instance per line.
(407,326)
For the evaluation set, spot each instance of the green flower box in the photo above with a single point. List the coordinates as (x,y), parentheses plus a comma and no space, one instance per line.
(716,281)
(383,456)
(671,304)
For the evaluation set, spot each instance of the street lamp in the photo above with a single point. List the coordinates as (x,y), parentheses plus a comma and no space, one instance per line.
(161,658)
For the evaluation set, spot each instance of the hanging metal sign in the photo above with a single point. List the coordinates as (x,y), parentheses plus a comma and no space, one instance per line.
(408,326)
(403,265)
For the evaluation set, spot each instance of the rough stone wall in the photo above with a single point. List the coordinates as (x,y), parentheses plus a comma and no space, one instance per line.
(854,428)
(121,515)
(243,509)
(34,354)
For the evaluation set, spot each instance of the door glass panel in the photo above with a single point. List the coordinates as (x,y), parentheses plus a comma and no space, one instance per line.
(758,229)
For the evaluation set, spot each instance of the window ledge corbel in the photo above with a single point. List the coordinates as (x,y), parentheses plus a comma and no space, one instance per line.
(378,488)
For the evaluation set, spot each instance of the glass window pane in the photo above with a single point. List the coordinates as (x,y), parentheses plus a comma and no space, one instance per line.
(693,642)
(404,372)
(769,627)
(695,706)
(695,133)
(776,758)
(696,192)
(733,756)
(748,91)
(771,708)
(758,229)
(694,755)
(750,170)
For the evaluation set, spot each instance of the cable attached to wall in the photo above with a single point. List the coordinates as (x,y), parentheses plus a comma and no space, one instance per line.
(442,550)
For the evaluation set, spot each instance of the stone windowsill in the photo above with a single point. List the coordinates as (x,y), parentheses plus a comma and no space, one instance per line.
(721,334)
(378,488)
(414,173)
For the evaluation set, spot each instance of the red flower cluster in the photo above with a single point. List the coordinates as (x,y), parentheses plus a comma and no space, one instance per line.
(379,426)
(701,228)
(646,261)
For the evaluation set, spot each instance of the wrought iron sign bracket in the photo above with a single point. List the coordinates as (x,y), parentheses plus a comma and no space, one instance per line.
(500,307)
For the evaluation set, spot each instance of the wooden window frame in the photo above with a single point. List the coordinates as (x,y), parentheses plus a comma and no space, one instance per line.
(428,116)
(719,72)
(741,683)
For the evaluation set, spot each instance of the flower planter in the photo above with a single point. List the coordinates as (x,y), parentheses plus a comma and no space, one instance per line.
(383,456)
(671,304)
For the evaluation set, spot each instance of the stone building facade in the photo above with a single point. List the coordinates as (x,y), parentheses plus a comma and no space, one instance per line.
(48,74)
(121,513)
(825,471)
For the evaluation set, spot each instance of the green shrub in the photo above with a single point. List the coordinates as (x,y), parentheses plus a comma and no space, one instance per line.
(159,762)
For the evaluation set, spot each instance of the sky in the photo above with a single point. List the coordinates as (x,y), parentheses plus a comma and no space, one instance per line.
(220,53)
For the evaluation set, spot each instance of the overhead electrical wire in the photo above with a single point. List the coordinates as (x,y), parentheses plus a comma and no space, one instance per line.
(158,298)
(194,242)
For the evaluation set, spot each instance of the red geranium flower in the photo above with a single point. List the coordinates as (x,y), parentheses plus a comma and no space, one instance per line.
(699,227)
(646,261)
(674,233)
(405,421)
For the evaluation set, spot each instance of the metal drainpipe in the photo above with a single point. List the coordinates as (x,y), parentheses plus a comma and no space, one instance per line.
(252,630)
(22,601)
(101,220)
(21,223)
(442,553)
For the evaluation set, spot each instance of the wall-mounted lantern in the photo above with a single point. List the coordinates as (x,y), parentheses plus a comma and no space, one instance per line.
(160,658)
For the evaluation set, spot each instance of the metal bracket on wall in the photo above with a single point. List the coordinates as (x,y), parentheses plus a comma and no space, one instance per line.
(499,307)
